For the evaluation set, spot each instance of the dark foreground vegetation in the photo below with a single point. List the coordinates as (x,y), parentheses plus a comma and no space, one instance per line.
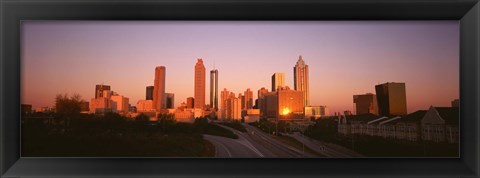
(68,133)
(237,125)
(373,146)
(271,127)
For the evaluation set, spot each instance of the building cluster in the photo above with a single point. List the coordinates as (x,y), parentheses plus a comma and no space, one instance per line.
(236,108)
(279,103)
(107,100)
(390,99)
(437,124)
(375,114)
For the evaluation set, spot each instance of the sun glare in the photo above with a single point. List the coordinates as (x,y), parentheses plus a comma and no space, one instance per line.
(285,111)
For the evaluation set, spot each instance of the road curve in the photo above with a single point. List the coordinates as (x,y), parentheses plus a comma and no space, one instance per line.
(231,148)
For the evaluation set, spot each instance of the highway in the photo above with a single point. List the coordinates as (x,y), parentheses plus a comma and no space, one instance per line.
(252,144)
(327,149)
(231,148)
(282,148)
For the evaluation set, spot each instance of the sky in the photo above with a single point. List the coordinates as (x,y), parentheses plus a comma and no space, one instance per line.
(345,58)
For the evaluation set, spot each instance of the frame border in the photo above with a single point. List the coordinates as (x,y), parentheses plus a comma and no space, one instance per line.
(12,12)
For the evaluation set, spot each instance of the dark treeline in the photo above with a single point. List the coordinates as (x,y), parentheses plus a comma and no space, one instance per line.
(67,132)
(271,127)
(237,125)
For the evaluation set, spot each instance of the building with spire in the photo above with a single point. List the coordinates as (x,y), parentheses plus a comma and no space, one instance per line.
(300,77)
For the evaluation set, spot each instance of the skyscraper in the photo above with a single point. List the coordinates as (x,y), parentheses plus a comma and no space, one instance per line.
(236,108)
(159,88)
(223,102)
(242,100)
(170,100)
(149,93)
(199,94)
(190,102)
(99,90)
(248,99)
(391,99)
(300,77)
(365,104)
(278,80)
(214,89)
(261,100)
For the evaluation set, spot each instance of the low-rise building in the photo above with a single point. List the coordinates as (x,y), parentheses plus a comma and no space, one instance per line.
(253,115)
(101,105)
(408,128)
(438,124)
(145,106)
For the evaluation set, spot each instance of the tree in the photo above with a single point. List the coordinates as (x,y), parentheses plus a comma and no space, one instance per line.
(200,124)
(166,121)
(141,119)
(67,108)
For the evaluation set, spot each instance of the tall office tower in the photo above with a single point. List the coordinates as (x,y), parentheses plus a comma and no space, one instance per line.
(391,99)
(99,90)
(248,99)
(190,102)
(261,100)
(242,100)
(214,89)
(149,93)
(159,88)
(199,94)
(170,100)
(223,102)
(230,105)
(365,104)
(278,80)
(300,77)
(236,108)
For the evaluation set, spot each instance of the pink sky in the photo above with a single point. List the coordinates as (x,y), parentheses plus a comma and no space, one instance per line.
(345,58)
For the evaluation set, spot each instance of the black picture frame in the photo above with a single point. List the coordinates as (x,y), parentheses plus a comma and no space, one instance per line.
(14,11)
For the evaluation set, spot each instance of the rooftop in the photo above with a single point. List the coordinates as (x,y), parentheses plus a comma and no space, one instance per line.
(449,114)
(362,117)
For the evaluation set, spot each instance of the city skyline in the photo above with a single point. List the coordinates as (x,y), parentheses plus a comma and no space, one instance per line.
(329,85)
